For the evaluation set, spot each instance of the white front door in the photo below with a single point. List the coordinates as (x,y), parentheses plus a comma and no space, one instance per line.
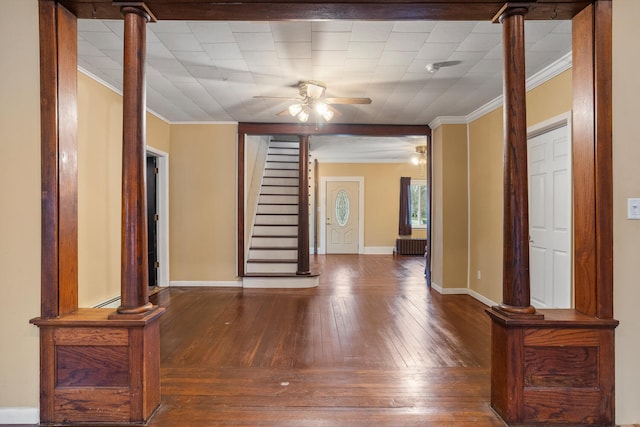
(550,253)
(342,216)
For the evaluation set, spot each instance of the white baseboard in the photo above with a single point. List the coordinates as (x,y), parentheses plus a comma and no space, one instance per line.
(23,415)
(207,284)
(436,287)
(463,291)
(486,301)
(378,250)
(455,291)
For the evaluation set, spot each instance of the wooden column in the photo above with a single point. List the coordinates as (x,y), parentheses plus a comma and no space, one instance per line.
(515,268)
(557,366)
(240,231)
(59,159)
(592,160)
(77,386)
(135,271)
(303,207)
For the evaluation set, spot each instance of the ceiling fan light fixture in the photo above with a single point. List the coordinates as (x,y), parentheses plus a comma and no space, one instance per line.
(303,116)
(295,109)
(420,159)
(311,102)
(328,115)
(321,108)
(315,90)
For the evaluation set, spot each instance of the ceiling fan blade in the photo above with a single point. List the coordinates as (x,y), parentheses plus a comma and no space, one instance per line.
(448,63)
(283,113)
(289,98)
(347,100)
(336,112)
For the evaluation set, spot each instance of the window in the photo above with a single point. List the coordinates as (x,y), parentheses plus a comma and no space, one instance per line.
(418,203)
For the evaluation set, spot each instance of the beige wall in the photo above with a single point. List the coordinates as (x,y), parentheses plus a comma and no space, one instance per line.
(381,197)
(158,135)
(550,99)
(20,203)
(485,205)
(485,181)
(202,187)
(437,252)
(454,206)
(202,240)
(626,183)
(99,187)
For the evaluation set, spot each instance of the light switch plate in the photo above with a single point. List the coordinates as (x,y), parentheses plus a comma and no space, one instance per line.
(633,208)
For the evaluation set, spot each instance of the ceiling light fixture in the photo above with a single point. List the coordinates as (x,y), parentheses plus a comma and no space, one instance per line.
(303,115)
(312,101)
(303,110)
(295,109)
(420,159)
(432,68)
(311,91)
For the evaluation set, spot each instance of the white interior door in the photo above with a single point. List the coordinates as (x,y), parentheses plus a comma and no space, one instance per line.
(342,217)
(550,252)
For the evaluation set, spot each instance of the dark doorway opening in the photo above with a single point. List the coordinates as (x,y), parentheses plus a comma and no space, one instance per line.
(152,219)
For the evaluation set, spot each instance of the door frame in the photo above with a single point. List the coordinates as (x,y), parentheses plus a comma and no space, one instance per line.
(162,194)
(247,129)
(322,249)
(557,122)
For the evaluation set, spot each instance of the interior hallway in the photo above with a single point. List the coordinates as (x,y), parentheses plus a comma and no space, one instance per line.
(372,345)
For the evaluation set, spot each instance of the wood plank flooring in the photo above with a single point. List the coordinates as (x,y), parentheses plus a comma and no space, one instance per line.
(371,346)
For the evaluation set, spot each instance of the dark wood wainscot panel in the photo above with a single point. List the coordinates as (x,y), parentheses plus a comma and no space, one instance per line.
(558,369)
(97,370)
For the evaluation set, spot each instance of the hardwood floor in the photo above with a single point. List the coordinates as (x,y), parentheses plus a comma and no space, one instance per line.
(372,345)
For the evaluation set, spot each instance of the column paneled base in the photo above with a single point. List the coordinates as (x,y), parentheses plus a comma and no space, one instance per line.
(99,371)
(555,370)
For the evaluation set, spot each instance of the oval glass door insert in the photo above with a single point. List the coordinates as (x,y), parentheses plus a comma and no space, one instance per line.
(342,207)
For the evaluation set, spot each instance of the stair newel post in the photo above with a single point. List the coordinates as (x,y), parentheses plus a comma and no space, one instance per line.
(303,206)
(134,275)
(515,270)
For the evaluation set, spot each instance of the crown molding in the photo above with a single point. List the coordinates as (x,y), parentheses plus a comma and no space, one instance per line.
(550,71)
(158,115)
(542,76)
(116,90)
(447,120)
(485,109)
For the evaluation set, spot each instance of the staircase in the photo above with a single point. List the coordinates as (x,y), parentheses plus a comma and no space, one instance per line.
(273,249)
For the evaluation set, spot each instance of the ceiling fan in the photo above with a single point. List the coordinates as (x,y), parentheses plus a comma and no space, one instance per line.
(435,66)
(312,101)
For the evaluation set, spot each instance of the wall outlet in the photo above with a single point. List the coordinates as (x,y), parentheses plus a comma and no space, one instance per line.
(633,208)
(479,275)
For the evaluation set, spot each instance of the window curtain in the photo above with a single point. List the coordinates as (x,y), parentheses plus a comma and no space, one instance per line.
(404,226)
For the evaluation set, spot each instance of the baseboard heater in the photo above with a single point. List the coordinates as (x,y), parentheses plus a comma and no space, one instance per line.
(411,246)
